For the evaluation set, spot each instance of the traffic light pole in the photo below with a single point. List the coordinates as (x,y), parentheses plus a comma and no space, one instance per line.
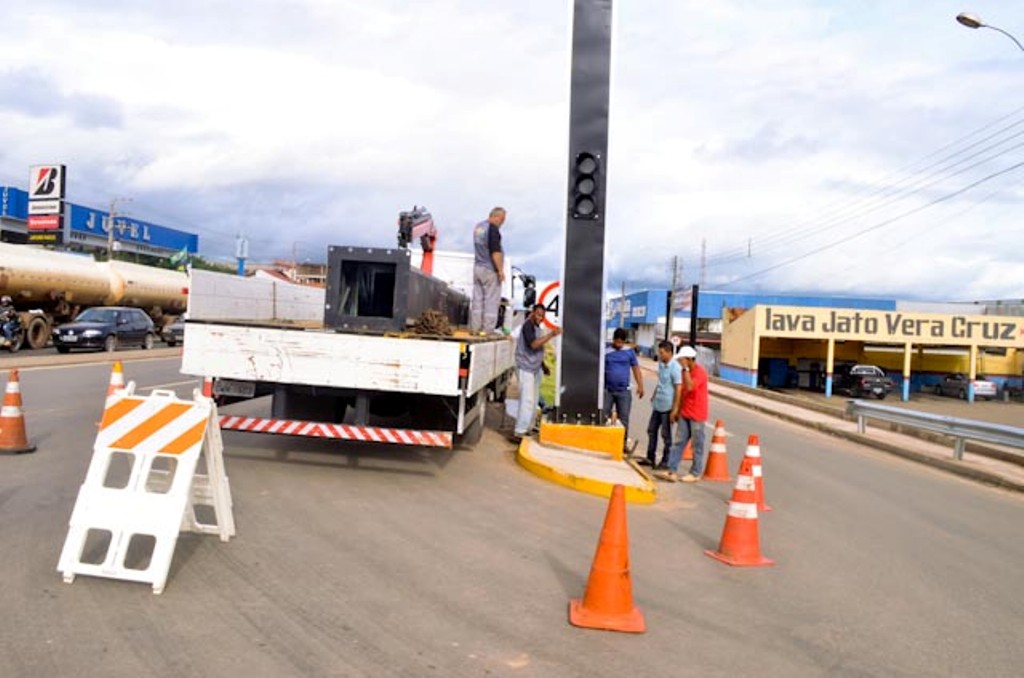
(581,366)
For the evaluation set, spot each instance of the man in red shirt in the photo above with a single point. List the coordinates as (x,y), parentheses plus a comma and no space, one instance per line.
(689,419)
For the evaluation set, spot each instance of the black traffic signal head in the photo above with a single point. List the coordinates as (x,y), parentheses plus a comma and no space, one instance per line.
(529,290)
(584,186)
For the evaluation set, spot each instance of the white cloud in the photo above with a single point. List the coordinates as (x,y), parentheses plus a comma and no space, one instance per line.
(734,124)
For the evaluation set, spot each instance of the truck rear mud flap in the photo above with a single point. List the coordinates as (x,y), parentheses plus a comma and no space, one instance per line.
(313,429)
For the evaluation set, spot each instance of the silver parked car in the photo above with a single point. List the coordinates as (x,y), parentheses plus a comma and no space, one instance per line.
(174,333)
(955,386)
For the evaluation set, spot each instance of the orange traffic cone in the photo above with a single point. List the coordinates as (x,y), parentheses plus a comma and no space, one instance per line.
(608,601)
(12,422)
(740,544)
(754,453)
(208,387)
(116,380)
(718,458)
(688,452)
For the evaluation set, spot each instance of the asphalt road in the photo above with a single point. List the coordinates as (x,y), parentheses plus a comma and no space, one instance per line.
(357,560)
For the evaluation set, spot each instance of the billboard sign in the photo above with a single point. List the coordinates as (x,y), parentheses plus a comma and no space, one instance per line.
(46,182)
(45,229)
(46,204)
(45,207)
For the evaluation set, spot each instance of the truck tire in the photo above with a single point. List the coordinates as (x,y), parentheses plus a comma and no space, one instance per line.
(472,435)
(37,331)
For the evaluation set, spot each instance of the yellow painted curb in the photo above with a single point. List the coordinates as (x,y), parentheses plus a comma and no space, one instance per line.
(606,439)
(647,494)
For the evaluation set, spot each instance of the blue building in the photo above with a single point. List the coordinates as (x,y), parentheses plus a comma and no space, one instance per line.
(643,313)
(88,229)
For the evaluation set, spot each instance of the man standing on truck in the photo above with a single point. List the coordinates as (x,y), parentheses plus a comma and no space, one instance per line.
(488,272)
(529,369)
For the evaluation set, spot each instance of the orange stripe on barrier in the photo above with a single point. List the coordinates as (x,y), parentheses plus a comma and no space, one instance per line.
(186,440)
(118,410)
(150,426)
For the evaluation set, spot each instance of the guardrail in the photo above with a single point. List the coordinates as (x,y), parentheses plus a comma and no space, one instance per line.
(961,430)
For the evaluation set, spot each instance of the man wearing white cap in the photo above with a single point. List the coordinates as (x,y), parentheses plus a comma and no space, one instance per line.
(690,419)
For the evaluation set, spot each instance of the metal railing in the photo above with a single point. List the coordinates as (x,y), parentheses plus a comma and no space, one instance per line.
(961,430)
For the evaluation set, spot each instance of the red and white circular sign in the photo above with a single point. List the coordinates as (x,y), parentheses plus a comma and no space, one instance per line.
(551,298)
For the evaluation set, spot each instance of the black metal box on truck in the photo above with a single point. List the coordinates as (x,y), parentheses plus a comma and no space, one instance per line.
(378,290)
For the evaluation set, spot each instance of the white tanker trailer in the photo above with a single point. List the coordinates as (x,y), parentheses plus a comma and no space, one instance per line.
(49,288)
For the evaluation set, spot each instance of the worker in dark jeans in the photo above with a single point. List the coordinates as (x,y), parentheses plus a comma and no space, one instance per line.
(619,361)
(667,396)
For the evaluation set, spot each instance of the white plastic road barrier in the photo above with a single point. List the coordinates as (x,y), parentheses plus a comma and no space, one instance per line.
(142,488)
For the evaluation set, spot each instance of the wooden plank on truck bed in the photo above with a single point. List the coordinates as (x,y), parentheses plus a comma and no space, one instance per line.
(218,296)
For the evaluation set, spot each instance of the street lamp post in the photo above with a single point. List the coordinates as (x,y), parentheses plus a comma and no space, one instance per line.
(972,21)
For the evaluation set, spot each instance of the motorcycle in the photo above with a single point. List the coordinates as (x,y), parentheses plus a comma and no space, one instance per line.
(12,333)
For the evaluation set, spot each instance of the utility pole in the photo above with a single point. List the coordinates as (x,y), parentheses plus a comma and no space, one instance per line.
(670,306)
(703,259)
(622,306)
(110,225)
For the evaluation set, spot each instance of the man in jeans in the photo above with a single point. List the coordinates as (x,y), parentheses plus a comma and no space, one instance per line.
(529,369)
(619,361)
(691,416)
(488,272)
(665,401)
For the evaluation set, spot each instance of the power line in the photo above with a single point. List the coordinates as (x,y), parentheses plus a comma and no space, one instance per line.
(801,230)
(877,226)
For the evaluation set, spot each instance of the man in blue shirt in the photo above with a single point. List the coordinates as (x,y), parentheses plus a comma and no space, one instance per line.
(665,401)
(488,272)
(619,361)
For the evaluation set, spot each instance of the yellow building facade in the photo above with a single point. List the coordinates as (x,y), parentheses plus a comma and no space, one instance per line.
(915,349)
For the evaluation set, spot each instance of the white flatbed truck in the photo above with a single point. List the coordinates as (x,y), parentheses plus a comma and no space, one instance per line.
(256,337)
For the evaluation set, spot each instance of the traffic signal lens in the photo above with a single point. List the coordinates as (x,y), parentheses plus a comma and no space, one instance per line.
(585,185)
(586,163)
(585,206)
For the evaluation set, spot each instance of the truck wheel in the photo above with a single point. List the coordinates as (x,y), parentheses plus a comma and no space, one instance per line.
(37,332)
(475,431)
(472,435)
(110,345)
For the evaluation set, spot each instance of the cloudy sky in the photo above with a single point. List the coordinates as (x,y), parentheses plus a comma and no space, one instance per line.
(862,147)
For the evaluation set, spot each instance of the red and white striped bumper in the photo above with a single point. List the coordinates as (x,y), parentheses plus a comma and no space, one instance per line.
(313,429)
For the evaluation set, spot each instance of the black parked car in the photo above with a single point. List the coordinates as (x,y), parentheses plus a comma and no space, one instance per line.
(105,328)
(861,381)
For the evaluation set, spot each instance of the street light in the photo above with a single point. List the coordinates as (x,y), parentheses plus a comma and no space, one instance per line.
(971,21)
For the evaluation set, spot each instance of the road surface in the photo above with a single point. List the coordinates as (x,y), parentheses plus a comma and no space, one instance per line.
(354,560)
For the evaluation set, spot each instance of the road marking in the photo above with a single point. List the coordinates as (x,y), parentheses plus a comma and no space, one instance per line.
(99,363)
